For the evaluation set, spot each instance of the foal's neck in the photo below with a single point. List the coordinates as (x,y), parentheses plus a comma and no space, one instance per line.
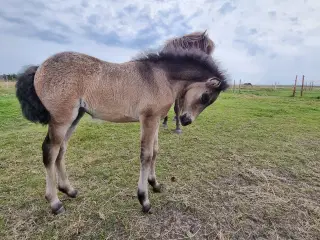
(179,87)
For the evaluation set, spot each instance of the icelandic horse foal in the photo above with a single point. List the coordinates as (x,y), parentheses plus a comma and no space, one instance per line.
(195,40)
(67,85)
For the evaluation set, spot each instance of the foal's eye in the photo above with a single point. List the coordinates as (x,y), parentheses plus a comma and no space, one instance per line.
(205,98)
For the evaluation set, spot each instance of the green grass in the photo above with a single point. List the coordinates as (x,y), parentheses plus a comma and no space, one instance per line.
(247,168)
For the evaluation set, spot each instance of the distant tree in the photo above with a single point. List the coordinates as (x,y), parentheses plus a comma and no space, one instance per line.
(9,77)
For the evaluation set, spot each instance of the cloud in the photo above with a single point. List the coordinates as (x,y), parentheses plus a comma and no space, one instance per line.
(226,8)
(38,50)
(254,41)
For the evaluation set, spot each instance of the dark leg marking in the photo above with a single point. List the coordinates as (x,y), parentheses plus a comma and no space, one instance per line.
(58,208)
(165,122)
(177,111)
(46,151)
(142,198)
(72,194)
(157,188)
(152,182)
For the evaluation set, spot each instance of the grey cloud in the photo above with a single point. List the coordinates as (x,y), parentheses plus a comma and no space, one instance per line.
(227,8)
(23,27)
(294,20)
(292,40)
(16,20)
(251,48)
(48,35)
(272,13)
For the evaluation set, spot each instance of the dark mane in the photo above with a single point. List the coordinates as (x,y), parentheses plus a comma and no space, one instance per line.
(186,64)
(195,40)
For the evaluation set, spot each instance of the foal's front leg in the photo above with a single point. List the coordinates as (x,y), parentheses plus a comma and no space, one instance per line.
(177,115)
(149,127)
(152,175)
(165,122)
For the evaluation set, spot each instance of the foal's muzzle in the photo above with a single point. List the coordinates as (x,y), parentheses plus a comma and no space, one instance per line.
(185,120)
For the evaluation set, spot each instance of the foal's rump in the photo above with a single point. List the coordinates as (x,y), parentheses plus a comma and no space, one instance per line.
(53,90)
(31,106)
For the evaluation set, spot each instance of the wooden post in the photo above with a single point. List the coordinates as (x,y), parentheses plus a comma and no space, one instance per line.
(295,86)
(239,85)
(302,84)
(275,85)
(234,85)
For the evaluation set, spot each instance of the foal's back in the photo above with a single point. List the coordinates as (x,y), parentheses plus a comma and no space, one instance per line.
(66,73)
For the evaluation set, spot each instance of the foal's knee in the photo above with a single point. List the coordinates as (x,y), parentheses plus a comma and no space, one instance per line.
(146,155)
(155,150)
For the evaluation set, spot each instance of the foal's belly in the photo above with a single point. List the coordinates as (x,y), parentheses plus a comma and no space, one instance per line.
(115,117)
(116,113)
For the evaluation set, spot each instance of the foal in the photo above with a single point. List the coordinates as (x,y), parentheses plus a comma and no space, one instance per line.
(195,40)
(67,85)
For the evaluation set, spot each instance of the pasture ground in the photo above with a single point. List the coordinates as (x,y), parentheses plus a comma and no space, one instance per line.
(248,168)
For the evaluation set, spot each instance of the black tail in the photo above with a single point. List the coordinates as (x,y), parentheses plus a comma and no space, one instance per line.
(32,108)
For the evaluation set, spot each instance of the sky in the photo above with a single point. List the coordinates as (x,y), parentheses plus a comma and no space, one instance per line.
(261,42)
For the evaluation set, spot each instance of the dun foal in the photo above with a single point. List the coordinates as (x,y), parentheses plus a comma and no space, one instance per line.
(68,85)
(195,40)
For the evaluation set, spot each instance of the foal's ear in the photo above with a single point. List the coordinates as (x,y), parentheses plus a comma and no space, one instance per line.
(213,82)
(204,33)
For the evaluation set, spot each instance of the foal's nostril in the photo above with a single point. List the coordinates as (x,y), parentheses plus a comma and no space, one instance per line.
(185,120)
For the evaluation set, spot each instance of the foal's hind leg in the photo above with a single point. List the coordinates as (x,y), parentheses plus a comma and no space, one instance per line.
(149,126)
(152,175)
(50,150)
(63,181)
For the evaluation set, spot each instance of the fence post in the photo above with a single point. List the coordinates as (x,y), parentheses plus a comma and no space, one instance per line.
(239,85)
(295,86)
(302,84)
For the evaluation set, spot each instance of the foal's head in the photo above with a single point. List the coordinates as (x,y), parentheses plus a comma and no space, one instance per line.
(200,77)
(207,81)
(198,96)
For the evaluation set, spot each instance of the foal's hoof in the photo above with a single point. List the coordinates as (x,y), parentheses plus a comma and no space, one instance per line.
(146,208)
(158,188)
(178,131)
(73,193)
(58,209)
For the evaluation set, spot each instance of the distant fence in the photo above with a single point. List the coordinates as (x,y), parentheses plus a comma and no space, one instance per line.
(298,88)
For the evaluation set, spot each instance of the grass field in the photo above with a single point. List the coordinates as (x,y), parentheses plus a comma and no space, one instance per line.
(248,168)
